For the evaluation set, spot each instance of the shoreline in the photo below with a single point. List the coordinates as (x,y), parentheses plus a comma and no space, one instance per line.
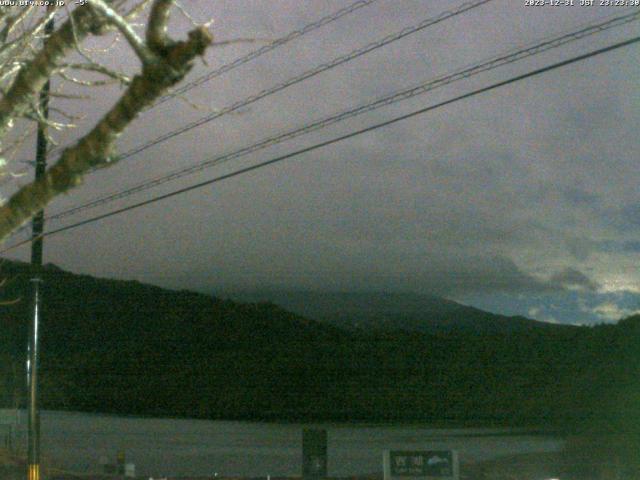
(528,466)
(435,424)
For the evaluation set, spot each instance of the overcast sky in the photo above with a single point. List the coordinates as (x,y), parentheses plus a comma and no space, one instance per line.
(523,200)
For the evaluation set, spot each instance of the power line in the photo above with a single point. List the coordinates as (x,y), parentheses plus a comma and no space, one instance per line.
(310,73)
(306,75)
(334,140)
(267,48)
(332,17)
(486,65)
(394,37)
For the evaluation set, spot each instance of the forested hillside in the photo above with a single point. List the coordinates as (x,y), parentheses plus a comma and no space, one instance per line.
(116,346)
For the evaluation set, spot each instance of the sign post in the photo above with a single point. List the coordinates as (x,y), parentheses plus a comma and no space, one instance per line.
(421,465)
(314,454)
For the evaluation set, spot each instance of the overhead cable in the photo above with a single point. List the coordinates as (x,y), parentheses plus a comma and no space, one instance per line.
(432,84)
(335,140)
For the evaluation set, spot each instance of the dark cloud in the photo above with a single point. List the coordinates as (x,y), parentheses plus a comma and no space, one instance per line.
(581,197)
(572,279)
(627,218)
(515,191)
(484,274)
(611,246)
(450,276)
(580,248)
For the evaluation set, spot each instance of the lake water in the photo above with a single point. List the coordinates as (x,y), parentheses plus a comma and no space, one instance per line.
(161,447)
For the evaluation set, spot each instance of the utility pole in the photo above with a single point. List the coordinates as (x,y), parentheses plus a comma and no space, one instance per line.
(37,227)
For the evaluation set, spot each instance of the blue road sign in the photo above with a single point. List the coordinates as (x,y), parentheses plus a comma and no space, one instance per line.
(423,464)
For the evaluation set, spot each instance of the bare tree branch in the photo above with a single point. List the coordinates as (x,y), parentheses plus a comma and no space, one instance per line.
(136,10)
(157,28)
(173,61)
(145,54)
(85,83)
(33,76)
(97,68)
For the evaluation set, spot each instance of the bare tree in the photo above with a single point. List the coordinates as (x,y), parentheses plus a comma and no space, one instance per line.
(27,61)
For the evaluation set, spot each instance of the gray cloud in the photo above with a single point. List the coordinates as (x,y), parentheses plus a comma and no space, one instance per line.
(627,218)
(534,181)
(572,279)
(581,197)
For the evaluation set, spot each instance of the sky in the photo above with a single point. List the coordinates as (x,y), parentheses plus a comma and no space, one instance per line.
(523,200)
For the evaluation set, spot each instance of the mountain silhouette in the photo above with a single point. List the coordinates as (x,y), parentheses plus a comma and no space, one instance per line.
(388,312)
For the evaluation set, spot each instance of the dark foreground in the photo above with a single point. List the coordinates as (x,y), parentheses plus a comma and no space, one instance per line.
(202,358)
(611,457)
(521,467)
